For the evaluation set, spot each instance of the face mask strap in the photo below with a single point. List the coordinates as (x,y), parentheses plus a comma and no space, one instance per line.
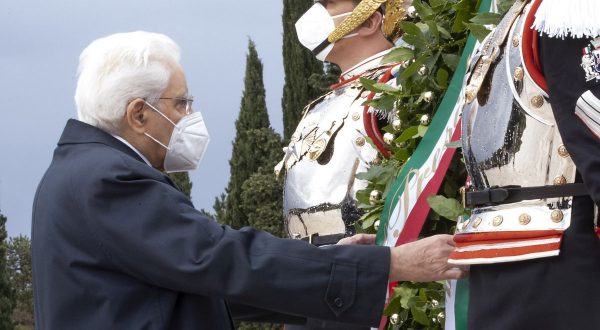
(162,114)
(155,140)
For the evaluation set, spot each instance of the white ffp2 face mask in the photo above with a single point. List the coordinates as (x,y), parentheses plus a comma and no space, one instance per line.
(314,27)
(187,144)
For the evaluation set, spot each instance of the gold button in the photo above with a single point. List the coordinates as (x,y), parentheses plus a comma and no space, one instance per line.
(560,180)
(360,141)
(519,74)
(396,233)
(515,41)
(562,151)
(394,319)
(466,223)
(524,219)
(476,222)
(497,220)
(557,216)
(355,116)
(537,101)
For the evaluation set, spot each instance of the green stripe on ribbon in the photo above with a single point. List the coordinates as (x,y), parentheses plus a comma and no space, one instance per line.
(435,130)
(461,304)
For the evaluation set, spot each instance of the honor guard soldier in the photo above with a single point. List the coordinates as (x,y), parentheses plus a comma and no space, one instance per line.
(531,143)
(330,145)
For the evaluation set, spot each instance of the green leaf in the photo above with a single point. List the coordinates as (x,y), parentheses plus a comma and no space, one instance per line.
(433,29)
(422,130)
(486,18)
(413,68)
(393,306)
(384,102)
(402,155)
(387,88)
(448,208)
(368,223)
(442,78)
(399,54)
(463,14)
(423,9)
(451,60)
(405,293)
(479,31)
(444,32)
(437,3)
(368,84)
(419,315)
(413,34)
(408,134)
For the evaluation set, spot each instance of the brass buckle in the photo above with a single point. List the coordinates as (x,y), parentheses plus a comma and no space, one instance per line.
(463,196)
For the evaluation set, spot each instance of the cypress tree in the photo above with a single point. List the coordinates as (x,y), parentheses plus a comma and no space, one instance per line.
(301,68)
(245,161)
(7,293)
(19,259)
(262,195)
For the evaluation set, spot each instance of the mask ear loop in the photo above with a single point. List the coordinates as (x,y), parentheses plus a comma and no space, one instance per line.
(155,140)
(163,115)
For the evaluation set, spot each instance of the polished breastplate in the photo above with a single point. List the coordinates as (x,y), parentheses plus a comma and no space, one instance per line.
(326,151)
(510,139)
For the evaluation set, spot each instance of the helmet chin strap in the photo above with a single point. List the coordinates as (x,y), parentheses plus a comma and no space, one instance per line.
(326,43)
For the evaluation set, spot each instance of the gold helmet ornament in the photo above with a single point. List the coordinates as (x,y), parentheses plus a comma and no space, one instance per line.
(394,12)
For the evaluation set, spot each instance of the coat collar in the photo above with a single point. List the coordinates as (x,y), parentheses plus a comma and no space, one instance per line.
(77,132)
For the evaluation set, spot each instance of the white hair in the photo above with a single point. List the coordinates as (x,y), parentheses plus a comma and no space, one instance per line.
(119,68)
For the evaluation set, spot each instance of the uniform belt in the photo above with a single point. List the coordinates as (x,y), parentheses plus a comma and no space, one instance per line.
(513,194)
(317,240)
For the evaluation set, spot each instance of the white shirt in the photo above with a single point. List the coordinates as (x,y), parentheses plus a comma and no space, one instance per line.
(132,148)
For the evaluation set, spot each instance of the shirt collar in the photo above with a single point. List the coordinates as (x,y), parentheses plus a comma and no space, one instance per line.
(364,65)
(132,148)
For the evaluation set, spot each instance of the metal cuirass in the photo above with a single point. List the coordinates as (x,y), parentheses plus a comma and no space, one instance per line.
(326,151)
(510,138)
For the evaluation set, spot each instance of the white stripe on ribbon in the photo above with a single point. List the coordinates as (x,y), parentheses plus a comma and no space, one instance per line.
(470,261)
(421,178)
(507,245)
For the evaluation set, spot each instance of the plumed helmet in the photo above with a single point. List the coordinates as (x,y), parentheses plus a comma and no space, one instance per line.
(394,12)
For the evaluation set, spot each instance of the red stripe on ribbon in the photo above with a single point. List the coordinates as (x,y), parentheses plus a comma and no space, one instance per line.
(504,236)
(418,215)
(506,252)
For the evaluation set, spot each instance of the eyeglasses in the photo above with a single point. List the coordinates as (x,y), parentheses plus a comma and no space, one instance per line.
(181,103)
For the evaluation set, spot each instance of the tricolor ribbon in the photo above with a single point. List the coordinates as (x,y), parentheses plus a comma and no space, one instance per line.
(406,207)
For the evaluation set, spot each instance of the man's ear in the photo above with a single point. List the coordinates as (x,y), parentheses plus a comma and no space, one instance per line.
(136,116)
(371,25)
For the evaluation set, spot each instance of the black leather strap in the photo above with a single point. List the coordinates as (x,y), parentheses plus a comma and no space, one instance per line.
(513,194)
(317,240)
(320,47)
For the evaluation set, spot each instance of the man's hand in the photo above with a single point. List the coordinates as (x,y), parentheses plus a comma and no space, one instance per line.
(358,239)
(425,260)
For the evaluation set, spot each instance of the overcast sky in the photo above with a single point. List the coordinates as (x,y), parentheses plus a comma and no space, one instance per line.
(40,45)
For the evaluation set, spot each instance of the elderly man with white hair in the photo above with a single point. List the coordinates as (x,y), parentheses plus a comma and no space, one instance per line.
(116,245)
